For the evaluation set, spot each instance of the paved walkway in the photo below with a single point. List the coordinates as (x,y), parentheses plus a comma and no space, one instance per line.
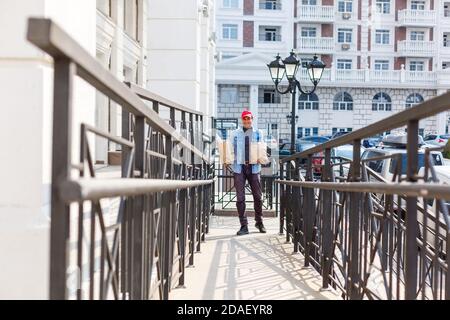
(253,267)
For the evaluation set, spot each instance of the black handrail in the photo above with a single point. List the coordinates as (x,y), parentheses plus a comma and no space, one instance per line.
(165,191)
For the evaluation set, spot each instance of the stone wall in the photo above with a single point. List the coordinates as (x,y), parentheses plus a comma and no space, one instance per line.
(326,118)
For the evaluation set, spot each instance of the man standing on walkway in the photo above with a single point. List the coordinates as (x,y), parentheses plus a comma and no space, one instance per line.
(241,140)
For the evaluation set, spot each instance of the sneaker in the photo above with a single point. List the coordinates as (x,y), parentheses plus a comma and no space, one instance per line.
(260,227)
(242,231)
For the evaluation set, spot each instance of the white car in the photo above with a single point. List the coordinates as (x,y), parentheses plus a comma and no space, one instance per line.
(443,177)
(436,139)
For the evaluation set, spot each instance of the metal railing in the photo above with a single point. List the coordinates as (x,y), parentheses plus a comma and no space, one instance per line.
(225,192)
(163,192)
(368,237)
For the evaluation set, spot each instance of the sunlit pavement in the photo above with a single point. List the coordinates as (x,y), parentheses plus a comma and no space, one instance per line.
(251,267)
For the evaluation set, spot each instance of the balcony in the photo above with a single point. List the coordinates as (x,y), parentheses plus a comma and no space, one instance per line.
(315,45)
(422,18)
(309,13)
(367,77)
(408,48)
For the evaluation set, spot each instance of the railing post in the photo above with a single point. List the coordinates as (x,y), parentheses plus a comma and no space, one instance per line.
(296,208)
(354,222)
(192,195)
(64,71)
(411,213)
(288,203)
(126,228)
(282,199)
(327,213)
(183,209)
(308,211)
(138,213)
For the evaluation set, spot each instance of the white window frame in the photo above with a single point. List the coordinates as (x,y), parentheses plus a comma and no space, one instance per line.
(344,64)
(380,37)
(380,6)
(417,63)
(230,26)
(381,63)
(308,30)
(419,5)
(232,92)
(347,4)
(346,32)
(417,34)
(230,2)
(382,106)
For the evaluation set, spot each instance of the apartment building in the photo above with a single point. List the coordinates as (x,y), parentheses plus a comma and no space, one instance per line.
(382,56)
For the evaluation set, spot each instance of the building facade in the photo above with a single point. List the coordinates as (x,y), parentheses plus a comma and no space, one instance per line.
(382,56)
(131,38)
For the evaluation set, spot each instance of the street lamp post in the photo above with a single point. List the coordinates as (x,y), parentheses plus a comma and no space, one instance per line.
(289,66)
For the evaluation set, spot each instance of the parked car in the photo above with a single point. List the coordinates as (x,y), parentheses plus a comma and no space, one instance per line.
(271,142)
(372,141)
(436,139)
(338,134)
(393,145)
(315,139)
(443,177)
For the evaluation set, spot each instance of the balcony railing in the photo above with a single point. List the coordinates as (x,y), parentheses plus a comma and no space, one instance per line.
(315,45)
(410,17)
(377,77)
(311,13)
(411,48)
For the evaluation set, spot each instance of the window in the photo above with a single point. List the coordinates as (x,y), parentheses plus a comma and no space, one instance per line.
(230,3)
(413,99)
(274,126)
(308,102)
(381,102)
(446,38)
(383,6)
(345,35)
(228,95)
(230,31)
(131,18)
(381,36)
(269,33)
(307,132)
(269,96)
(417,36)
(344,64)
(336,130)
(417,5)
(381,64)
(309,32)
(345,6)
(305,62)
(343,101)
(416,66)
(270,4)
(309,2)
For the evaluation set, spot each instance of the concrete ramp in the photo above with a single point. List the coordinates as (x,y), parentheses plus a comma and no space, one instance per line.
(252,267)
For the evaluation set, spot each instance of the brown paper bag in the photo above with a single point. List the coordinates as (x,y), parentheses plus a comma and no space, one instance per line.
(226,152)
(258,153)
